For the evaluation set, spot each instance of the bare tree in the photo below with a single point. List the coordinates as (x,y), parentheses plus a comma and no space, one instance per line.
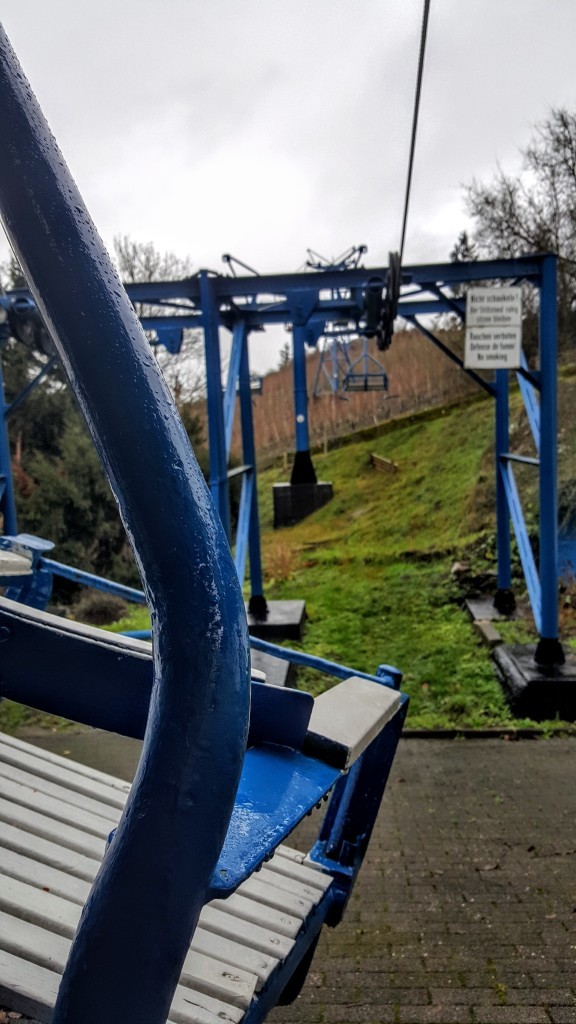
(535,211)
(142,262)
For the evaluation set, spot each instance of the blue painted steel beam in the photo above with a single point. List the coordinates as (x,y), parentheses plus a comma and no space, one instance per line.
(257,603)
(303,471)
(526,459)
(216,434)
(155,878)
(326,282)
(387,674)
(531,403)
(270,312)
(514,506)
(267,313)
(300,391)
(90,579)
(238,335)
(548,555)
(526,268)
(503,507)
(243,527)
(180,320)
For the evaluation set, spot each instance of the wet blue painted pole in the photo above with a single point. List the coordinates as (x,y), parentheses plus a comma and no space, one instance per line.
(145,903)
(503,600)
(257,605)
(549,650)
(303,470)
(216,428)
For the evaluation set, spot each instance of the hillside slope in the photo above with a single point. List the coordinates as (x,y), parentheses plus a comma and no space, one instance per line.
(374,565)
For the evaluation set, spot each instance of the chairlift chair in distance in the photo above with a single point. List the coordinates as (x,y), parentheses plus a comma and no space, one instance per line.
(365,373)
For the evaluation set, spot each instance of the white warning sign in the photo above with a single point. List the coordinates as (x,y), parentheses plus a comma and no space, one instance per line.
(493,328)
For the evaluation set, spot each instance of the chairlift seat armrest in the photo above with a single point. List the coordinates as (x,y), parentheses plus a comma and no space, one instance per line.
(104,679)
(346,719)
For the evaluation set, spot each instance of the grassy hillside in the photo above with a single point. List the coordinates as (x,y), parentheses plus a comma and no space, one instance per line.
(374,565)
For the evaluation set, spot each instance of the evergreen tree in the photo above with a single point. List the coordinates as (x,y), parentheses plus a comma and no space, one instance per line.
(61,489)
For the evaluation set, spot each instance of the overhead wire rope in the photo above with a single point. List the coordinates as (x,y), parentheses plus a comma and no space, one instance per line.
(419,77)
(394,275)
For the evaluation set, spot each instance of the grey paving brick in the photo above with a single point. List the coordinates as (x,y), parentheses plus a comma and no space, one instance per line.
(464,911)
(445,997)
(548,997)
(434,1015)
(359,1015)
(510,1015)
(394,996)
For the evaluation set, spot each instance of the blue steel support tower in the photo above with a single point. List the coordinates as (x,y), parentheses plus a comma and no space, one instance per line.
(312,303)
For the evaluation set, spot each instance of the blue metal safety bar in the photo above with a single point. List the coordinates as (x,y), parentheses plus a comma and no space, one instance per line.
(197,821)
(201,693)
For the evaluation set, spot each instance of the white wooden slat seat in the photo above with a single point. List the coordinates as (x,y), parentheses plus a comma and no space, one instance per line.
(59,792)
(55,817)
(77,777)
(259,913)
(46,852)
(300,872)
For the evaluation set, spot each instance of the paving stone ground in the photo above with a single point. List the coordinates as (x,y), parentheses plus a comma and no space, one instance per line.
(465,909)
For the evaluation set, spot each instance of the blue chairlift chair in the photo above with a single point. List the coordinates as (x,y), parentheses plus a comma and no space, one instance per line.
(365,373)
(198,912)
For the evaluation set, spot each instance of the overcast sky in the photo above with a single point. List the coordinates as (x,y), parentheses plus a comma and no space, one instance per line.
(263,127)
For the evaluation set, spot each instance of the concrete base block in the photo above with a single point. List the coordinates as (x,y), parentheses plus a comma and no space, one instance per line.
(483,608)
(277,671)
(488,632)
(293,502)
(285,621)
(536,691)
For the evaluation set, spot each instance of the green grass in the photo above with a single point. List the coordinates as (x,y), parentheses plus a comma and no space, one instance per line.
(374,565)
